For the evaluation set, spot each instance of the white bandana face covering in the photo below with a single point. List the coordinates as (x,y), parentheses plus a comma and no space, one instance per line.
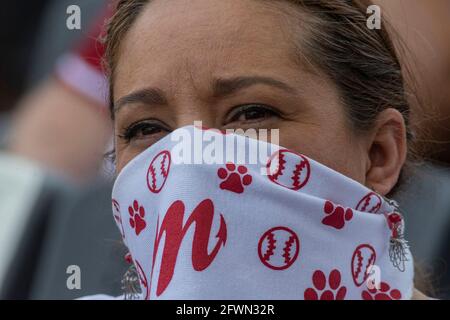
(288,229)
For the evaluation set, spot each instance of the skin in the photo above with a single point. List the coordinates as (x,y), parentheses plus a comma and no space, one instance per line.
(182,54)
(50,116)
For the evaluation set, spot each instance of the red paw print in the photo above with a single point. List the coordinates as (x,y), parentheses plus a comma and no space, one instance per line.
(137,214)
(384,293)
(234,181)
(336,215)
(335,291)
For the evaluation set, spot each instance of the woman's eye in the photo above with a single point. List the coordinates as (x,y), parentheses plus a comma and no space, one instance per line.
(250,113)
(142,130)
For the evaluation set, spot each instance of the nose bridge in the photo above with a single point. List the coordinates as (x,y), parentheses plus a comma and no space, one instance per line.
(191,105)
(190,112)
(190,108)
(190,89)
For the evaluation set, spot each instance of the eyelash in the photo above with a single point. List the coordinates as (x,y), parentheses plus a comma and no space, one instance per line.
(132,131)
(242,109)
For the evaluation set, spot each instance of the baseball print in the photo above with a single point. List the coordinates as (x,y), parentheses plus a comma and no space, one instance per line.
(278,248)
(371,203)
(143,280)
(158,171)
(289,169)
(117,217)
(230,230)
(363,260)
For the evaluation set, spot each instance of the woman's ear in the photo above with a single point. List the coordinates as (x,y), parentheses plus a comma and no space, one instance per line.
(386,151)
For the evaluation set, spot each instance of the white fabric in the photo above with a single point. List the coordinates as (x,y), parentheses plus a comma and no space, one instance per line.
(301,230)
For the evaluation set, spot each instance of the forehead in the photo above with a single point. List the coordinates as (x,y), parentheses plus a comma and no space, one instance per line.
(206,38)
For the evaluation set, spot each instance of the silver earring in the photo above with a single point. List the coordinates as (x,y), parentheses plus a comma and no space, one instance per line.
(130,282)
(398,246)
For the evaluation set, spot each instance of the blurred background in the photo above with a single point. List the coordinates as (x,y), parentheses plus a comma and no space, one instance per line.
(55,183)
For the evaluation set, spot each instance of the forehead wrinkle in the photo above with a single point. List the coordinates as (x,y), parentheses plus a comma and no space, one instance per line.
(288,31)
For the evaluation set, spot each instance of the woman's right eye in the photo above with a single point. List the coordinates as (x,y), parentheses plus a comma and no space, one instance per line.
(142,130)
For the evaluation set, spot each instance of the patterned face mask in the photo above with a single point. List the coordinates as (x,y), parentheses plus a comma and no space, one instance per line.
(286,227)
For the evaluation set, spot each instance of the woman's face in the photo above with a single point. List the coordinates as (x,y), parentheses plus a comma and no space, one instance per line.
(230,64)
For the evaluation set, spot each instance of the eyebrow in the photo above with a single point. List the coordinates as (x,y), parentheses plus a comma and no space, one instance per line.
(225,87)
(150,96)
(221,88)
